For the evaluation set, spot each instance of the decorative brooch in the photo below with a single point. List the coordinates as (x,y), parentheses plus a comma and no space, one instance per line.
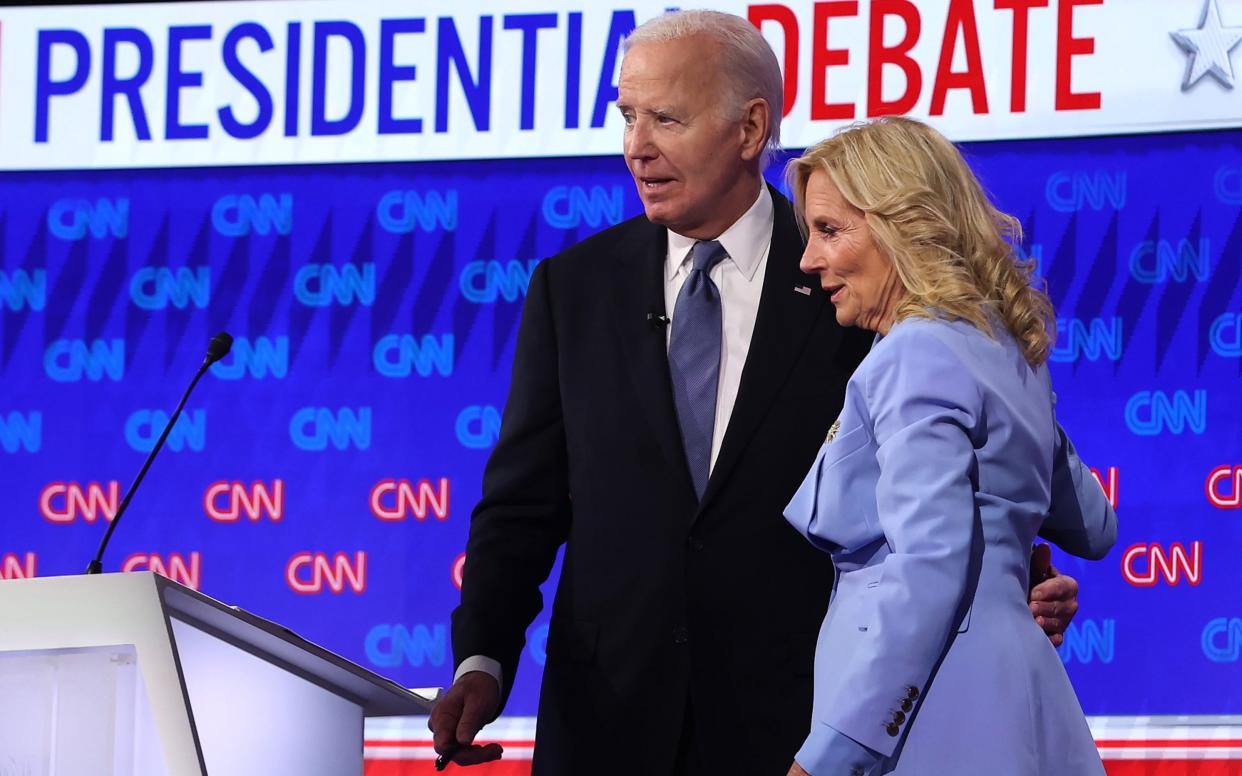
(833,429)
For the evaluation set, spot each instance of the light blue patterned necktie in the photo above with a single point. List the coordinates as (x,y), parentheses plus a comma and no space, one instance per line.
(694,359)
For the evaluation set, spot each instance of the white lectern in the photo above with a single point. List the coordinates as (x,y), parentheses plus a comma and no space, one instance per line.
(136,675)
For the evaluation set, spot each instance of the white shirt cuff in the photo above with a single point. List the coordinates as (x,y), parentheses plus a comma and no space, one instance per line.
(481,663)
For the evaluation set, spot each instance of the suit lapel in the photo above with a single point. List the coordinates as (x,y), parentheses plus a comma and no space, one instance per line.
(782,328)
(638,285)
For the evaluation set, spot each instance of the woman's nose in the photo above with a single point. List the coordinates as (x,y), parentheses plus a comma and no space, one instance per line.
(811,261)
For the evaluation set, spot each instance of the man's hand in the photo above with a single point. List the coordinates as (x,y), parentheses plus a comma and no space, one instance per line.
(796,770)
(456,719)
(1053,596)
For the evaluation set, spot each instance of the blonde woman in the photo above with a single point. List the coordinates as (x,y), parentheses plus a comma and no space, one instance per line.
(944,465)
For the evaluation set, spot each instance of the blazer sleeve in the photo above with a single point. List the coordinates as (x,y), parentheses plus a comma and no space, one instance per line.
(1080,519)
(925,407)
(524,514)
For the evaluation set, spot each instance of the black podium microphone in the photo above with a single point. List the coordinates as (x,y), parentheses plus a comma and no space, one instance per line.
(217,349)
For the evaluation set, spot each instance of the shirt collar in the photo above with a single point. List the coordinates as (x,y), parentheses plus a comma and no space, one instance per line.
(746,241)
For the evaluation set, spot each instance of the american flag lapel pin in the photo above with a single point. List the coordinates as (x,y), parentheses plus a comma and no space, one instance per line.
(804,290)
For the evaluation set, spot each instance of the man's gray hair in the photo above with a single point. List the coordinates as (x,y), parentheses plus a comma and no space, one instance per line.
(749,65)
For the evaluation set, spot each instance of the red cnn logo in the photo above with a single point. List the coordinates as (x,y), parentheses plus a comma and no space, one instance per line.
(63,502)
(1232,475)
(459,569)
(410,498)
(335,572)
(11,566)
(1108,484)
(1169,565)
(173,566)
(225,501)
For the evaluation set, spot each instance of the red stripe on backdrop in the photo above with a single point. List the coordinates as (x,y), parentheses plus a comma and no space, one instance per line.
(1173,767)
(382,743)
(1113,767)
(1167,743)
(427,768)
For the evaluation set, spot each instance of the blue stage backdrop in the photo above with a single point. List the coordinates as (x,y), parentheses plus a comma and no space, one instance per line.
(323,476)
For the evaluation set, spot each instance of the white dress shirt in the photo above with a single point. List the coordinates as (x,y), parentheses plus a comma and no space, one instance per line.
(740,281)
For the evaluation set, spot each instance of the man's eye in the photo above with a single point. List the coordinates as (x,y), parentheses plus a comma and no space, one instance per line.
(666,119)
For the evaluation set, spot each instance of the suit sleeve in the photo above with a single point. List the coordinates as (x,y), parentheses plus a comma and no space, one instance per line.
(524,513)
(1080,519)
(924,408)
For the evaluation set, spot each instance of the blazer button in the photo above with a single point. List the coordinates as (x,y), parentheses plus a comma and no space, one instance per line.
(907,704)
(892,729)
(680,635)
(898,717)
(912,692)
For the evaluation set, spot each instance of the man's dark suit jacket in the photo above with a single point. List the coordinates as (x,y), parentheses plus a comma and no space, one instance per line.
(664,604)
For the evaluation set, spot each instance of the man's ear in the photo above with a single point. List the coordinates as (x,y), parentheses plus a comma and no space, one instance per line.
(756,119)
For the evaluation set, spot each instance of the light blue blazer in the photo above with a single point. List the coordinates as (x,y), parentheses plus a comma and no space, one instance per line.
(945,464)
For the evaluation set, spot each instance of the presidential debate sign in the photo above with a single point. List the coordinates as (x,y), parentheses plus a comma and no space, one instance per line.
(285,82)
(360,191)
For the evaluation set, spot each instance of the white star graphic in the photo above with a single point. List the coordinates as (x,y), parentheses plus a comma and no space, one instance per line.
(1208,45)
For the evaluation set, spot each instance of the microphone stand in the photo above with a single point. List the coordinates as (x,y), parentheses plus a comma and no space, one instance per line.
(216,350)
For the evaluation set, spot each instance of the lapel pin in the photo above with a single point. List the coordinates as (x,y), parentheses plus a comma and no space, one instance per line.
(804,290)
(833,429)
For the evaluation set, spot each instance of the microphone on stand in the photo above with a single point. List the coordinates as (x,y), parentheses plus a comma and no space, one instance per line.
(217,349)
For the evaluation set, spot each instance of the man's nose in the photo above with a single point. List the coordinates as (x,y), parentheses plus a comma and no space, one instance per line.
(638,141)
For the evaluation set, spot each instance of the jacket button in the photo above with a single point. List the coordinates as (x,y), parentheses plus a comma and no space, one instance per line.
(680,635)
(907,704)
(898,717)
(912,692)
(695,543)
(892,729)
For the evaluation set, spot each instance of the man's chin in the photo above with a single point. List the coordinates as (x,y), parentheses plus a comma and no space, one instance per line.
(659,213)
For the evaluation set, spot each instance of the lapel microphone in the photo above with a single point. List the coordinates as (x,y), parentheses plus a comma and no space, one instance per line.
(658,320)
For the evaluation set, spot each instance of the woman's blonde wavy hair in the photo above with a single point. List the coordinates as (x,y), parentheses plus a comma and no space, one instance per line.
(951,248)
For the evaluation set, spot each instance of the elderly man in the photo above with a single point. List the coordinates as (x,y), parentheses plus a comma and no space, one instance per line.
(673,379)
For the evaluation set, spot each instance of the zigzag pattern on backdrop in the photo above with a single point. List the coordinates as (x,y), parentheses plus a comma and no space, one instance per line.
(324,478)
